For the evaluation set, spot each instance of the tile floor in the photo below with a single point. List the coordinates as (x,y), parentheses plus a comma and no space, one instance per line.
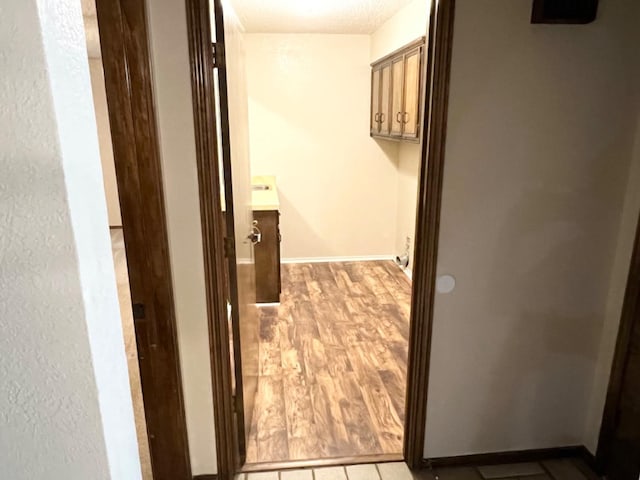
(563,469)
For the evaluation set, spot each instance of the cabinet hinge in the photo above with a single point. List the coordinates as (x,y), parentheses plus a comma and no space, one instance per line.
(229,247)
(236,403)
(217,55)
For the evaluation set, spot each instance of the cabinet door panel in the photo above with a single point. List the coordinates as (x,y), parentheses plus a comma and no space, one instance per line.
(375,101)
(385,100)
(397,96)
(267,257)
(411,112)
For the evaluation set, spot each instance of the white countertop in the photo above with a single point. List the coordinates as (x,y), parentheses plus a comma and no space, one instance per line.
(263,200)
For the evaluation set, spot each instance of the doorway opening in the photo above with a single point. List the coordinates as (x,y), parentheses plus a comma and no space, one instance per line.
(98,88)
(210,61)
(319,127)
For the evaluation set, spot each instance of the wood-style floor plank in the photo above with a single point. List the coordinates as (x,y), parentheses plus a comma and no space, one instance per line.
(270,422)
(333,363)
(129,334)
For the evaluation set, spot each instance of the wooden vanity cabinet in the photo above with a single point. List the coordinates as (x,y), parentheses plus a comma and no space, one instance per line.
(396,93)
(267,256)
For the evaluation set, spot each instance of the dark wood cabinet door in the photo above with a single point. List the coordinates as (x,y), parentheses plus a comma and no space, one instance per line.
(375,101)
(411,111)
(397,96)
(385,100)
(267,257)
(396,93)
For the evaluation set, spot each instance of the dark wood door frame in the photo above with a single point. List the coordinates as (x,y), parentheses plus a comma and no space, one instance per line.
(126,63)
(438,67)
(233,271)
(434,135)
(213,233)
(630,313)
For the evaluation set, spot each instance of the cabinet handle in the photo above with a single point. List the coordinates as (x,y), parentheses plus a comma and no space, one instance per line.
(398,119)
(381,117)
(255,235)
(376,118)
(405,117)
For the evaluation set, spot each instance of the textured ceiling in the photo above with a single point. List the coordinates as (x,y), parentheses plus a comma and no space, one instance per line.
(315,16)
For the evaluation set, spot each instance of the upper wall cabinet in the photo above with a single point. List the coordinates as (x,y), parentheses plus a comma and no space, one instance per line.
(396,93)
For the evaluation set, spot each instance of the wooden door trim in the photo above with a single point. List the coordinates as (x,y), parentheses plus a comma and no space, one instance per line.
(240,416)
(213,232)
(434,133)
(427,227)
(128,83)
(630,307)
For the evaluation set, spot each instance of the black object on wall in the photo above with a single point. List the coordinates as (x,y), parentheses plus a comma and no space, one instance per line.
(564,11)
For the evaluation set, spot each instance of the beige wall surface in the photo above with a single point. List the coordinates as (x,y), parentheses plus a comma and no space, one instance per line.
(104,137)
(172,88)
(409,156)
(309,100)
(541,128)
(405,26)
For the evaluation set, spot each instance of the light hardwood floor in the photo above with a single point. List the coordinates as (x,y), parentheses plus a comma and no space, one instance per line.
(333,363)
(124,297)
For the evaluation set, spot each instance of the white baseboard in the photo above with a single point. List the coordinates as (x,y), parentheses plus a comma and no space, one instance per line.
(364,258)
(408,273)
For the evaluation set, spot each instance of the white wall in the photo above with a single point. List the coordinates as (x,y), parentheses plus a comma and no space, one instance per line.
(65,403)
(104,139)
(409,155)
(405,26)
(172,85)
(308,118)
(308,112)
(540,134)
